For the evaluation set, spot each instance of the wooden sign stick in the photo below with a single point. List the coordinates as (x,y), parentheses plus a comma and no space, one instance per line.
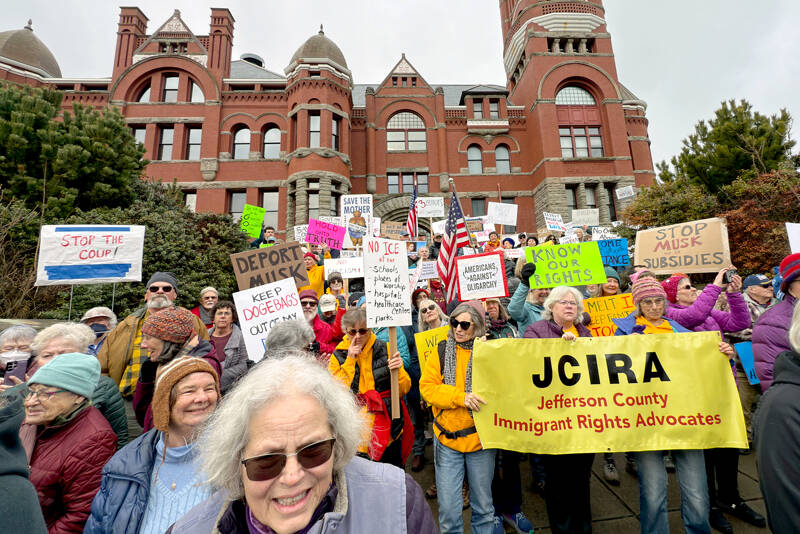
(396,413)
(345,291)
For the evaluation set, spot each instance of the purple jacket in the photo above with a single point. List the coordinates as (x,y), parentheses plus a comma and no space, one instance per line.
(771,337)
(702,317)
(549,329)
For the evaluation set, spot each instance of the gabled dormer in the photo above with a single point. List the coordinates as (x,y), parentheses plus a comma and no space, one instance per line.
(173,37)
(405,78)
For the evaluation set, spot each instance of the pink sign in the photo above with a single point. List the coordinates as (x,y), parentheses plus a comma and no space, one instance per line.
(324,233)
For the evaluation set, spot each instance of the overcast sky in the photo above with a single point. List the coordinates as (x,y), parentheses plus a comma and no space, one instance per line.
(682,57)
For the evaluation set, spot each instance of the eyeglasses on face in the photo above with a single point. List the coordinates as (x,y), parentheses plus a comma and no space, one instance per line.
(463,324)
(269,466)
(156,289)
(429,308)
(359,331)
(565,302)
(43,396)
(210,297)
(652,302)
(307,303)
(687,286)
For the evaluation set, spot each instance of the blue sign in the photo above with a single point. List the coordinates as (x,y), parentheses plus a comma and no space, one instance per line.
(614,252)
(745,352)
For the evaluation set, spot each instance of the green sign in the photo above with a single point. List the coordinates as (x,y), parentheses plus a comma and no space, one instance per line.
(573,264)
(252,218)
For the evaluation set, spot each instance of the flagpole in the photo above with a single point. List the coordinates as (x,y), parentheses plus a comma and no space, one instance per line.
(472,241)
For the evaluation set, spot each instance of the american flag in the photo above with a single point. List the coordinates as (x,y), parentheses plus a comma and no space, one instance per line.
(455,236)
(411,222)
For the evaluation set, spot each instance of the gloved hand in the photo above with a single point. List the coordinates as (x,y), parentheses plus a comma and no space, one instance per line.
(525,275)
(147,372)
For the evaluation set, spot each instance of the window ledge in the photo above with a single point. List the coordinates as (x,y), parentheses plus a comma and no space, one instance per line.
(406,151)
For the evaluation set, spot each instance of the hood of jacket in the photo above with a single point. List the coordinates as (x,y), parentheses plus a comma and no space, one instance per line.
(13,460)
(787,369)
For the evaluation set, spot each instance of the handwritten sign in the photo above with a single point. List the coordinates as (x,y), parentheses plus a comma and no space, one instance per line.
(325,233)
(376,227)
(553,222)
(300,233)
(438,226)
(691,247)
(89,254)
(261,266)
(481,276)
(586,217)
(569,238)
(427,343)
(603,309)
(745,353)
(793,231)
(625,192)
(603,232)
(614,252)
(514,253)
(386,283)
(430,207)
(391,229)
(575,264)
(501,213)
(356,213)
(252,219)
(261,308)
(347,267)
(474,225)
(427,270)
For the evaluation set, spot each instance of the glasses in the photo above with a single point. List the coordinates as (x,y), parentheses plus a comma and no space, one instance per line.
(42,395)
(571,303)
(463,324)
(686,287)
(307,303)
(207,297)
(359,331)
(429,308)
(269,466)
(156,289)
(651,302)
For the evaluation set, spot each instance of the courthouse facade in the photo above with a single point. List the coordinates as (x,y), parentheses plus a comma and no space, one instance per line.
(562,133)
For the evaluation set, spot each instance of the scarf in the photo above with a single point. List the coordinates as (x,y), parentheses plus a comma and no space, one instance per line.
(257,527)
(498,324)
(450,363)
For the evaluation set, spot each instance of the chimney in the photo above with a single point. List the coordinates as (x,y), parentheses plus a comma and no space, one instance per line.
(132,26)
(220,43)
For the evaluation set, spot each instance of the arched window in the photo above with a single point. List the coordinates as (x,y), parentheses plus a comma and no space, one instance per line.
(405,131)
(579,123)
(502,159)
(474,159)
(572,95)
(196,94)
(272,142)
(144,94)
(241,143)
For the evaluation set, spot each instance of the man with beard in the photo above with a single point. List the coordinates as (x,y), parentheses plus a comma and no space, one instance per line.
(324,333)
(209,297)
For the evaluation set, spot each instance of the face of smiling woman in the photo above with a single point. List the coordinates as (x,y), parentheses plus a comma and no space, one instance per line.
(285,425)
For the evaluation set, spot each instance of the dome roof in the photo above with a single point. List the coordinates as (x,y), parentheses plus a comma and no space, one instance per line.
(318,46)
(22,46)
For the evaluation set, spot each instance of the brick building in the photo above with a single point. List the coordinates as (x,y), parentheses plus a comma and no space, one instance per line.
(562,133)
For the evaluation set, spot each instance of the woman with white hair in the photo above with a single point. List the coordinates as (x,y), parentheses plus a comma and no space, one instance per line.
(15,348)
(280,451)
(566,488)
(296,335)
(430,316)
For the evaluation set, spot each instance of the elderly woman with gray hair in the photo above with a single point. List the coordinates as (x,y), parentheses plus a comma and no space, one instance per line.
(280,451)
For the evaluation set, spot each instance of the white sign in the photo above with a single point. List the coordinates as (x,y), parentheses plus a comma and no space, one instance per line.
(601,233)
(569,238)
(89,254)
(356,229)
(793,231)
(482,236)
(554,222)
(500,213)
(427,270)
(625,192)
(300,233)
(438,226)
(376,227)
(386,283)
(586,217)
(514,253)
(347,267)
(430,207)
(261,308)
(481,276)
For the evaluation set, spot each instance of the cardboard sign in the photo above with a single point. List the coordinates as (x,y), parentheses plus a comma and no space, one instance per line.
(474,225)
(427,270)
(575,264)
(793,231)
(261,266)
(430,207)
(261,308)
(386,283)
(586,217)
(481,276)
(691,247)
(391,230)
(428,343)
(325,233)
(603,232)
(553,222)
(744,351)
(500,213)
(347,267)
(614,252)
(438,226)
(252,219)
(603,309)
(625,192)
(300,233)
(89,254)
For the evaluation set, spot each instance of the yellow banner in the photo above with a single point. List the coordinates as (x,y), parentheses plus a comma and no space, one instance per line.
(607,394)
(603,309)
(427,342)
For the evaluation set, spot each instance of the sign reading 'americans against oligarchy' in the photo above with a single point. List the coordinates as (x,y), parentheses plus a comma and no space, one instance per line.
(481,276)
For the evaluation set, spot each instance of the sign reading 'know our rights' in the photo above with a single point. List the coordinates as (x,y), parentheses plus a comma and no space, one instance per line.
(607,394)
(603,309)
(575,264)
(692,247)
(261,266)
(481,276)
(261,308)
(386,283)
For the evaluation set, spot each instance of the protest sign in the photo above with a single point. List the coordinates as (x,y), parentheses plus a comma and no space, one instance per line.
(606,394)
(744,351)
(261,266)
(575,264)
(793,231)
(324,233)
(427,270)
(438,226)
(586,217)
(481,276)
(349,254)
(600,233)
(691,247)
(347,267)
(252,219)
(474,224)
(482,236)
(553,222)
(514,253)
(469,251)
(614,252)
(376,227)
(501,213)
(569,238)
(625,192)
(603,309)
(430,207)
(427,343)
(261,308)
(391,229)
(356,213)
(412,247)
(300,233)
(386,283)
(89,254)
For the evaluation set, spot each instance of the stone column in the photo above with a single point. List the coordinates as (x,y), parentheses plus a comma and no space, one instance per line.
(301,201)
(601,195)
(325,188)
(580,201)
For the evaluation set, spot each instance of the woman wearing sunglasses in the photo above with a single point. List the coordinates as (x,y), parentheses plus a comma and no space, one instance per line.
(361,361)
(280,450)
(430,316)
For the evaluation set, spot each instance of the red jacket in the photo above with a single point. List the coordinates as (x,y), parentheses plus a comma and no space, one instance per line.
(328,335)
(65,469)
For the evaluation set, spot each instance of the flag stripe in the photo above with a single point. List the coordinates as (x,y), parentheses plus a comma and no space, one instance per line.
(455,236)
(411,222)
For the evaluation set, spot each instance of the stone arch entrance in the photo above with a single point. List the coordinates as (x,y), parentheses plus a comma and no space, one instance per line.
(396,209)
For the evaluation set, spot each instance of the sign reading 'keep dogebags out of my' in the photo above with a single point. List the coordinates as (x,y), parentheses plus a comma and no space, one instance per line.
(265,265)
(691,247)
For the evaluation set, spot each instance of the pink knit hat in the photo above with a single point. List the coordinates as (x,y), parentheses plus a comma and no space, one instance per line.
(670,286)
(646,288)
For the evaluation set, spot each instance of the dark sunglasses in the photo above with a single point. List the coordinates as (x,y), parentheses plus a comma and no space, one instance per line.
(463,324)
(307,303)
(269,466)
(155,289)
(429,308)
(360,331)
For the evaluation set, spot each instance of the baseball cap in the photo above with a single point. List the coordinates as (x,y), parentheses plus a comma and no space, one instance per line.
(755,280)
(327,303)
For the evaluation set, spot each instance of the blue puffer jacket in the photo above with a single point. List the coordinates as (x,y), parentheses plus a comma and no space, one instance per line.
(119,506)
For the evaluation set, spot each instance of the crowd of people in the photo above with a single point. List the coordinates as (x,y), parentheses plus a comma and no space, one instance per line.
(162,422)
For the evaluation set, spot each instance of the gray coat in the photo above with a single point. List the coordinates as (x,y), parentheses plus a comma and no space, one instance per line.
(235,364)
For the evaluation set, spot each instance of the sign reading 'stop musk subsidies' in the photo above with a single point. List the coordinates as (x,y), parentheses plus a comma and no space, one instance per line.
(614,252)
(607,394)
(261,266)
(386,283)
(575,264)
(325,233)
(481,276)
(261,308)
(252,219)
(89,254)
(691,247)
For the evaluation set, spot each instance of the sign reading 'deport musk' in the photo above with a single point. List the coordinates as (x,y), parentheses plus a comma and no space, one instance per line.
(386,283)
(690,247)
(264,265)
